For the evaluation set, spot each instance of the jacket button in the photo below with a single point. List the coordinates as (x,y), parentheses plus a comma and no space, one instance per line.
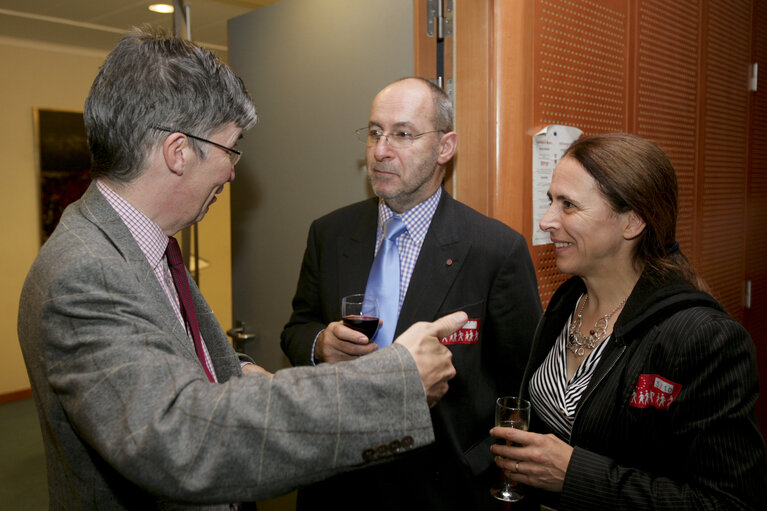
(407,442)
(368,455)
(382,450)
(395,446)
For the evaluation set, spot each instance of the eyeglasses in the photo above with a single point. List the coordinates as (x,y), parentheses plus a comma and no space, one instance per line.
(398,139)
(234,154)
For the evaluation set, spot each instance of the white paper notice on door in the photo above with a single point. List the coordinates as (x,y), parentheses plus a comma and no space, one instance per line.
(548,146)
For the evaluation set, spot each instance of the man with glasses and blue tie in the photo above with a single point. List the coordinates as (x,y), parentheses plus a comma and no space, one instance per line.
(142,400)
(423,254)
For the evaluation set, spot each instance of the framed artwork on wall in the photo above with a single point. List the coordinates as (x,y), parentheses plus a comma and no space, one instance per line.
(64,163)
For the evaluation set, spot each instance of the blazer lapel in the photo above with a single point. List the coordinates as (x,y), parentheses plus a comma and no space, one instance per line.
(97,210)
(440,260)
(356,253)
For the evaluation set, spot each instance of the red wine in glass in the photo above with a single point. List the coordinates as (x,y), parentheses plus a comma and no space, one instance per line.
(360,312)
(365,324)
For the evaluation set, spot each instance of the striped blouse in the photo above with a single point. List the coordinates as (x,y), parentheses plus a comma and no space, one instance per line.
(553,397)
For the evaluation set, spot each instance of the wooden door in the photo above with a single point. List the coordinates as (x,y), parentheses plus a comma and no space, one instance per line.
(675,72)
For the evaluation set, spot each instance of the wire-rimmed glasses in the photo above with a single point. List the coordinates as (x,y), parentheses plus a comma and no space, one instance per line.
(234,154)
(396,138)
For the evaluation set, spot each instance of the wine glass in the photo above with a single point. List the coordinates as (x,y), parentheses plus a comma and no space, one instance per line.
(360,312)
(510,412)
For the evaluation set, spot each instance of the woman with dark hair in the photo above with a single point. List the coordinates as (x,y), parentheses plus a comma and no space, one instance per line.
(643,388)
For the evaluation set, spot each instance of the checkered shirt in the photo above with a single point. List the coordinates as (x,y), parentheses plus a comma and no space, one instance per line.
(417,220)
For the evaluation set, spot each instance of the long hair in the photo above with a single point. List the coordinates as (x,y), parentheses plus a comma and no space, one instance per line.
(634,174)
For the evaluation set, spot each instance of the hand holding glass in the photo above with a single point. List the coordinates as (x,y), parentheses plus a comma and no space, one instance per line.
(360,312)
(510,412)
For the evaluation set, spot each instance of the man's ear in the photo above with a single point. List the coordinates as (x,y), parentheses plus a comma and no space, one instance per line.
(634,225)
(173,152)
(447,146)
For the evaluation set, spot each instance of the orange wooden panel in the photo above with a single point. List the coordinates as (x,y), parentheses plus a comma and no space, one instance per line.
(666,95)
(425,46)
(722,175)
(673,72)
(756,247)
(513,110)
(473,164)
(581,63)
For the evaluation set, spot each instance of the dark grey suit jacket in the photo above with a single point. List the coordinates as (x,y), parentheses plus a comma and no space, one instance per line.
(131,422)
(467,262)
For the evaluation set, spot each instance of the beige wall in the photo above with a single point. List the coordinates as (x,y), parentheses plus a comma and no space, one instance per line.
(54,77)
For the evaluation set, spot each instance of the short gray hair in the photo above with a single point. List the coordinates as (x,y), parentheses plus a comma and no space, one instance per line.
(443,105)
(154,79)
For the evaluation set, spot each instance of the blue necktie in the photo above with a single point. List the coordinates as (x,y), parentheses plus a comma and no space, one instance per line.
(383,281)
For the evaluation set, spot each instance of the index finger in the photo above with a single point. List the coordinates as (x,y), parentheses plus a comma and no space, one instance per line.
(447,325)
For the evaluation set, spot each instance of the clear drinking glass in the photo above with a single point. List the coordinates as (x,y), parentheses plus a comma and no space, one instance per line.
(360,312)
(510,412)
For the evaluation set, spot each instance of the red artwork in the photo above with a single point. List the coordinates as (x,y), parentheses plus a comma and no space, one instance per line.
(64,163)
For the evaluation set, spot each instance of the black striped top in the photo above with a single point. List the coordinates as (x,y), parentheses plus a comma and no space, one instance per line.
(552,396)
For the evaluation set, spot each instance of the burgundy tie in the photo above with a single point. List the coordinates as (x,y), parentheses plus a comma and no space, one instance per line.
(180,280)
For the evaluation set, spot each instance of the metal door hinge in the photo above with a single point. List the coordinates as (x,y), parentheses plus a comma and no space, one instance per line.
(748,294)
(441,14)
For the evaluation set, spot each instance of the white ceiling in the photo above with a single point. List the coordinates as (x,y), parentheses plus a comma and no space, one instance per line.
(98,24)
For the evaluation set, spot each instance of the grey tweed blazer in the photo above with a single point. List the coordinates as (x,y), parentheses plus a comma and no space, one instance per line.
(129,419)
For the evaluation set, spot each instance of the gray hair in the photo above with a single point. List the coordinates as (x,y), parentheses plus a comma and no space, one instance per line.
(154,79)
(443,105)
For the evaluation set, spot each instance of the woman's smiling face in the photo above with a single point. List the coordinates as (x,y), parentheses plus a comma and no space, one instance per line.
(587,233)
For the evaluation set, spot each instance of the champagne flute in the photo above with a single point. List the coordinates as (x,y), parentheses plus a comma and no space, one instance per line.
(510,412)
(360,312)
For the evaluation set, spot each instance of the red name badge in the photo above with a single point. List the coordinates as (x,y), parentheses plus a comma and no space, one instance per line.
(469,334)
(654,390)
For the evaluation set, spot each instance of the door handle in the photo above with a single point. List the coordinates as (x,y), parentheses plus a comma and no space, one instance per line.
(240,335)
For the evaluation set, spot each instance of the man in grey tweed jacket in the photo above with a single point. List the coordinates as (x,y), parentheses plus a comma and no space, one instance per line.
(129,418)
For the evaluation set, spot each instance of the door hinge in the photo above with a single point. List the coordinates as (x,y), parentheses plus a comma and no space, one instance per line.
(748,294)
(439,14)
(754,77)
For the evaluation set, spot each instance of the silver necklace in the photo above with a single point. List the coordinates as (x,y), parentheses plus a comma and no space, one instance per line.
(577,342)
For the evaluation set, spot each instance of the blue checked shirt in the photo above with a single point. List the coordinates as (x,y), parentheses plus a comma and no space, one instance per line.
(417,221)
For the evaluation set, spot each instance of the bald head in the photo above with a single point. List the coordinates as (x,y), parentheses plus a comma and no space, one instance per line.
(441,114)
(408,149)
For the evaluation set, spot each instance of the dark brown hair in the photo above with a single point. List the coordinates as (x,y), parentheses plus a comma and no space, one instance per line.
(634,174)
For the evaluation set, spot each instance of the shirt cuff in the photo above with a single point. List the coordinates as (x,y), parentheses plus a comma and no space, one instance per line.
(314,345)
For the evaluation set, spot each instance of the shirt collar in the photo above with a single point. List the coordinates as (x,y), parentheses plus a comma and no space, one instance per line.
(150,238)
(416,219)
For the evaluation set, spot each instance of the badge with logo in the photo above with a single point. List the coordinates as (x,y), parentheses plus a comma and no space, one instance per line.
(469,334)
(654,390)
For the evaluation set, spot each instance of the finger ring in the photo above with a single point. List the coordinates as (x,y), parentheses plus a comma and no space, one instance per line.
(516,467)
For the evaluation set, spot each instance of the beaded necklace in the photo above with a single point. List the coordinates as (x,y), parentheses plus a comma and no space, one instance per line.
(577,342)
